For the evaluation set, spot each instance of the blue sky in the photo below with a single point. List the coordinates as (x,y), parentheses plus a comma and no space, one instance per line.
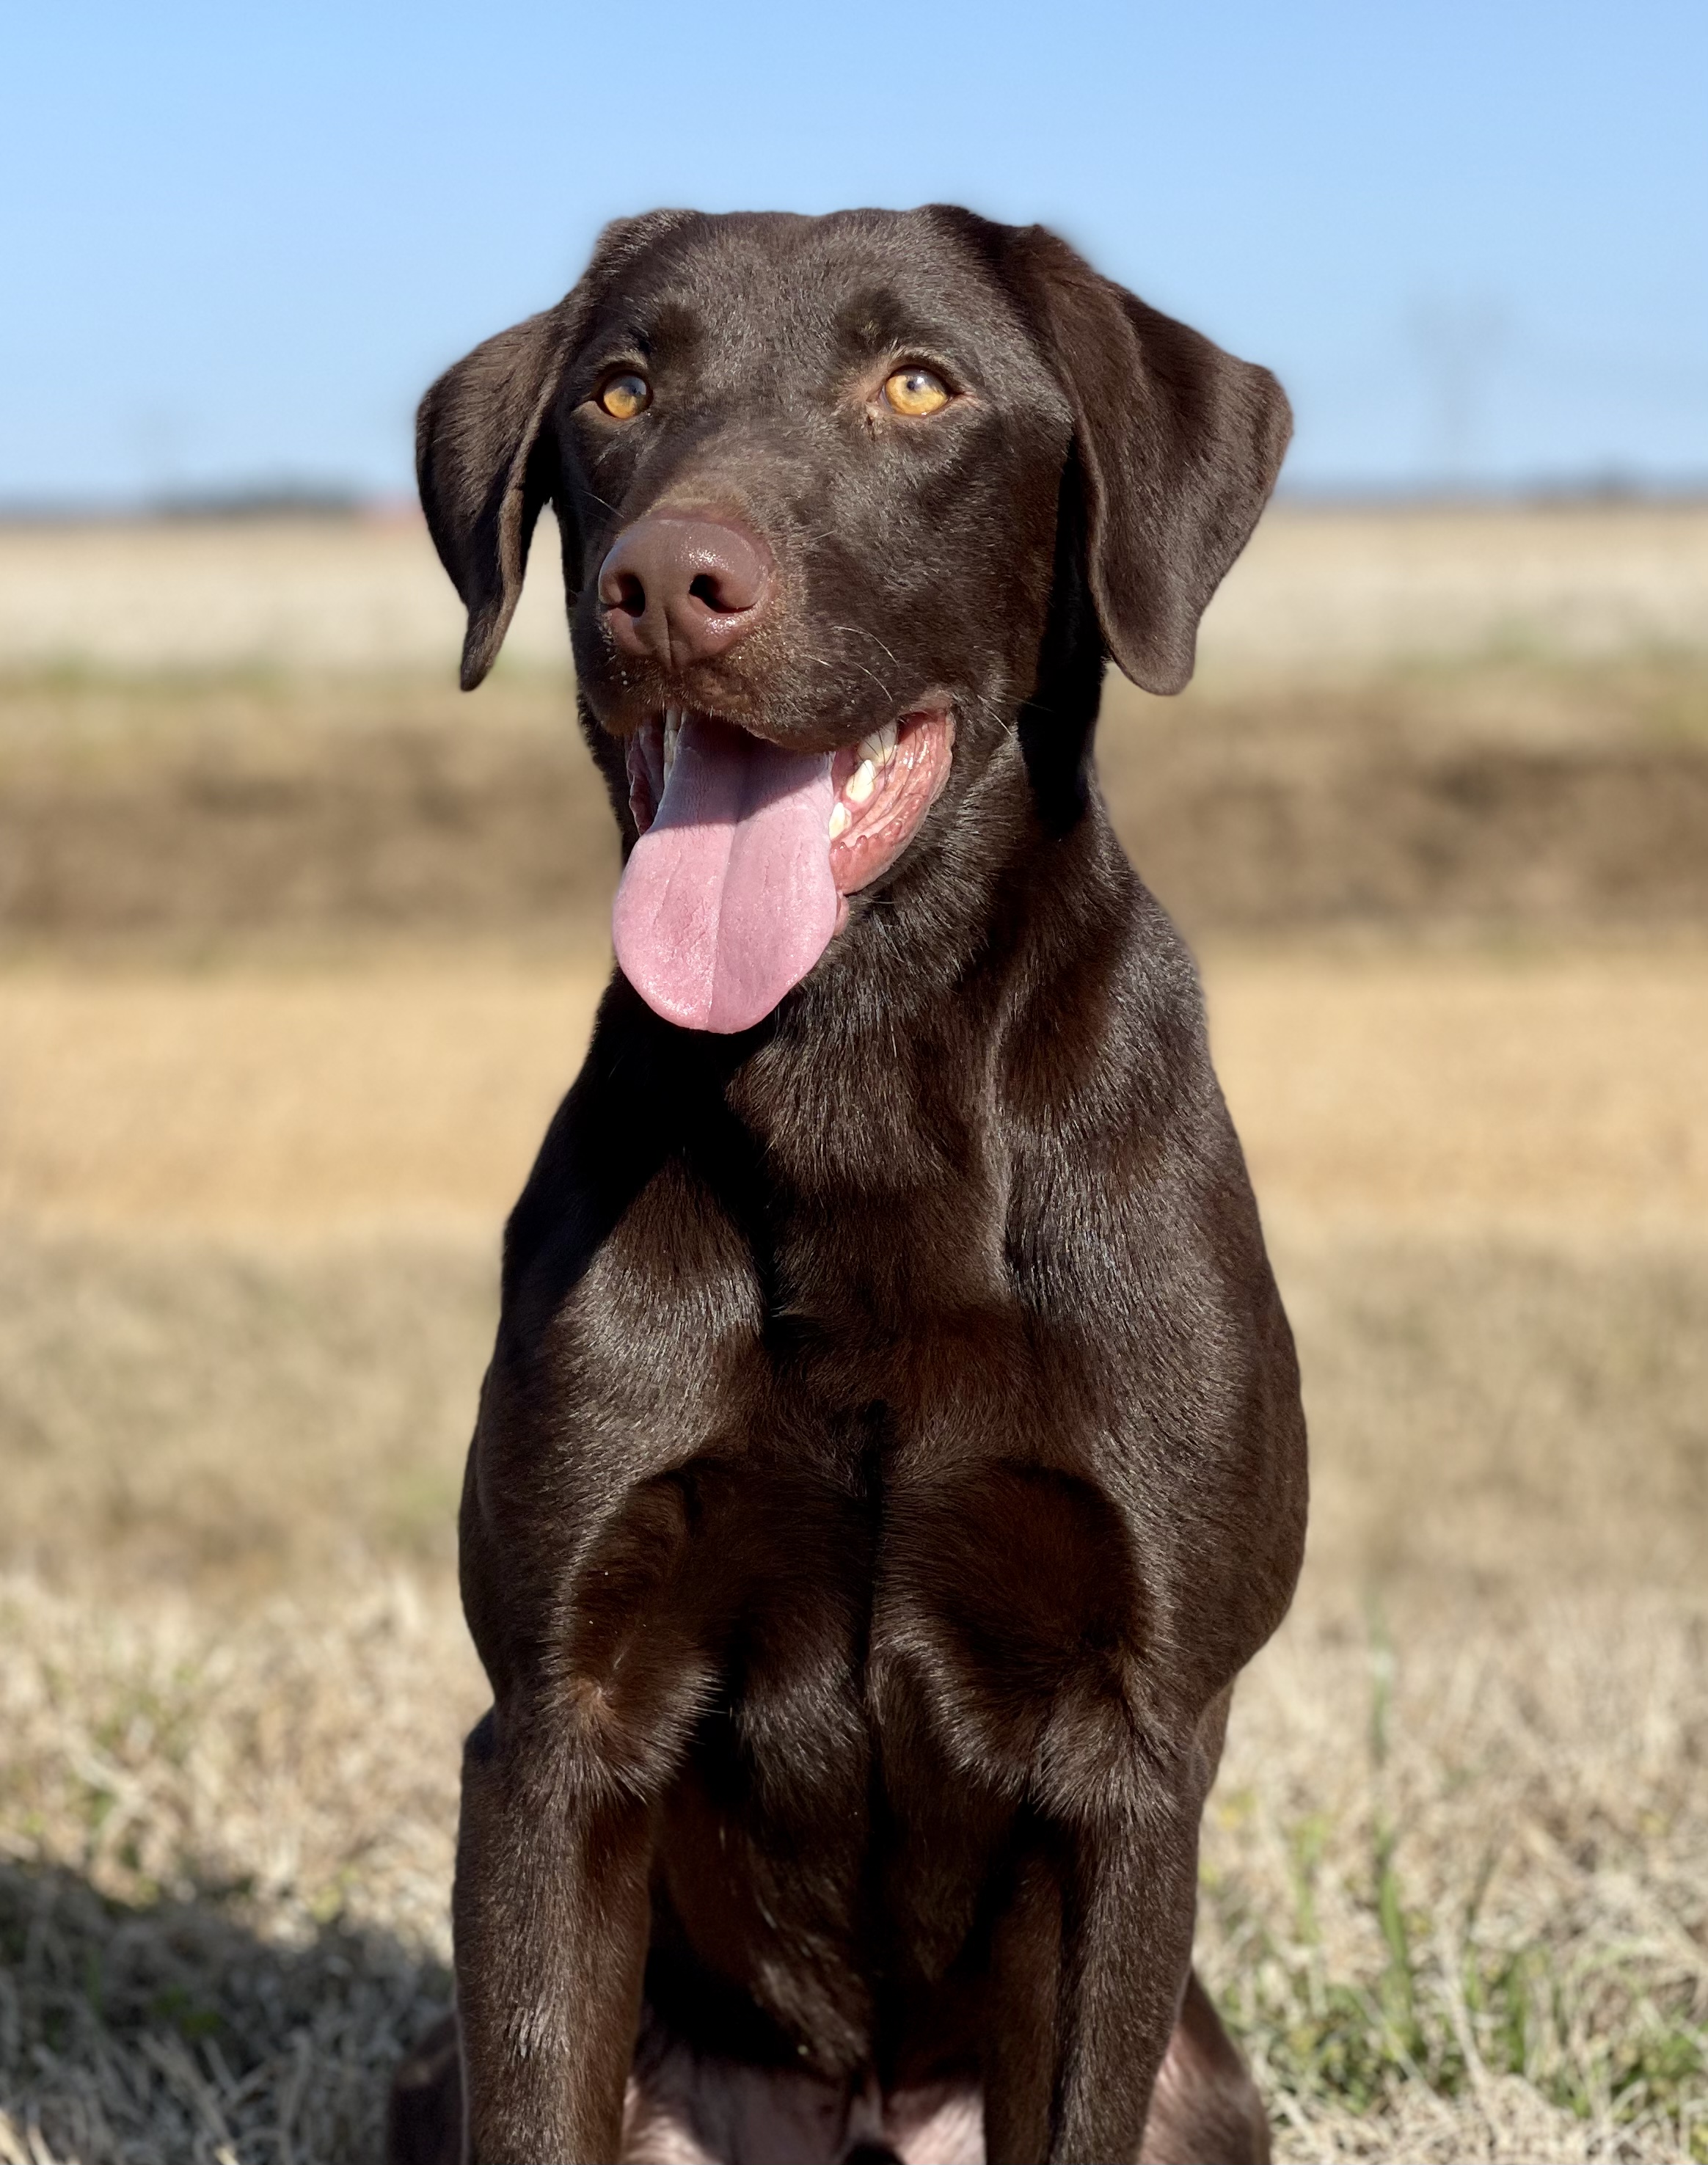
(236,242)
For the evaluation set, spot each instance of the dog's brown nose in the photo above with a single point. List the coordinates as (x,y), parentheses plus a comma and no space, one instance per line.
(678,588)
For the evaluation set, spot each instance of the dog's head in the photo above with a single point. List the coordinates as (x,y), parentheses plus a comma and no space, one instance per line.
(830,491)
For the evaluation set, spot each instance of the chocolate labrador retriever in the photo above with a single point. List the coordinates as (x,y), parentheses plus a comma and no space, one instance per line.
(892,1451)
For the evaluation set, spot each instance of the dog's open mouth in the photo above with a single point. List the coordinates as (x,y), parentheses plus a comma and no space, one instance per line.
(747,851)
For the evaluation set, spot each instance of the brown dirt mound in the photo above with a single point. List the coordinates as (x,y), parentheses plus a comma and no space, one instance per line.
(1500,793)
(201,811)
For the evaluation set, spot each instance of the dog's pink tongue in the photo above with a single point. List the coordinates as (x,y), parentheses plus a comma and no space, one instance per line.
(727,899)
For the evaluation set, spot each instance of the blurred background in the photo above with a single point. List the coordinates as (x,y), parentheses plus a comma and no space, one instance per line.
(299,948)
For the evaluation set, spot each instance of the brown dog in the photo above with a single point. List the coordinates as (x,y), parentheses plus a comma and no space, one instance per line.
(892,1451)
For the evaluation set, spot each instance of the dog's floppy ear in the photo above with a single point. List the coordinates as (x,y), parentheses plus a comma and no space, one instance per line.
(1179,445)
(485,459)
(486,463)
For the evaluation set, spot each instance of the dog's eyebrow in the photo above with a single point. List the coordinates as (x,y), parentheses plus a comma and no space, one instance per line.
(642,332)
(669,328)
(879,320)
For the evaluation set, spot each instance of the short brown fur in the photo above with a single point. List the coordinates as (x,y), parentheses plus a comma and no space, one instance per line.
(892,1451)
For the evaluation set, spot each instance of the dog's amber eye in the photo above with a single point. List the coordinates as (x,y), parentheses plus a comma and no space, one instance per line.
(626,396)
(915,391)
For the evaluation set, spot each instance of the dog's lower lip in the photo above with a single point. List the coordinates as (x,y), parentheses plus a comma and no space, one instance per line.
(885,785)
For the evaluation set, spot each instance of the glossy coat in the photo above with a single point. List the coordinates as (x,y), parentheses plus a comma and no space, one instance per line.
(892,1451)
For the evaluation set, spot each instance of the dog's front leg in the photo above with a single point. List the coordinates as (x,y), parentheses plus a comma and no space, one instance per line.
(552,1915)
(1090,1963)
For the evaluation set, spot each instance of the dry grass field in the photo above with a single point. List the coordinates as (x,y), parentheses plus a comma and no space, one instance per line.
(297,952)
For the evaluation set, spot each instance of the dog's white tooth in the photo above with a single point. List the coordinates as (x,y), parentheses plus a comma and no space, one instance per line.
(840,817)
(886,741)
(861,783)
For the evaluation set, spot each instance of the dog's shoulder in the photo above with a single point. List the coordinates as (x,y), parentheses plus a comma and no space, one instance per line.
(1108,1032)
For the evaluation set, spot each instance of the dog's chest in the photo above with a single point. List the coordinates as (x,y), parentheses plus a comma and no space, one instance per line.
(890,1666)
(867,1439)
(851,1570)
